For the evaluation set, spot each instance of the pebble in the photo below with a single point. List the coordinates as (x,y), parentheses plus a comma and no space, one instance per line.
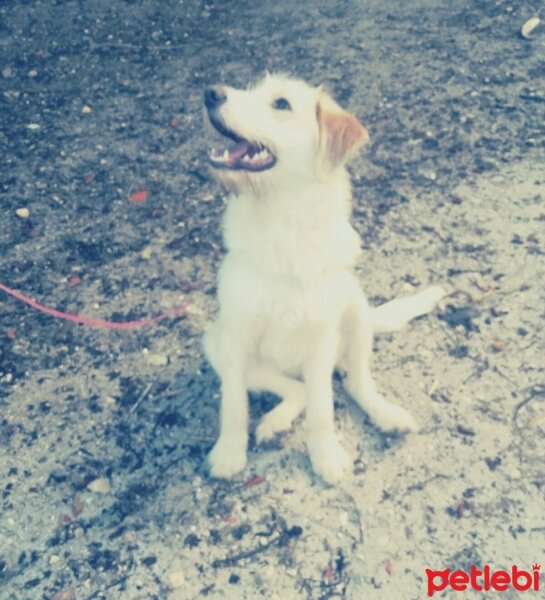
(175,579)
(33,73)
(529,26)
(65,594)
(22,213)
(157,360)
(33,126)
(129,537)
(86,110)
(428,174)
(146,252)
(7,72)
(99,486)
(515,473)
(268,572)
(108,401)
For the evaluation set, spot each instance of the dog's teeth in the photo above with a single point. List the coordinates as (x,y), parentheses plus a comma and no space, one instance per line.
(246,158)
(225,155)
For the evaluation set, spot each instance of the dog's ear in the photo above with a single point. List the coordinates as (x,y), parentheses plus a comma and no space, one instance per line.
(341,134)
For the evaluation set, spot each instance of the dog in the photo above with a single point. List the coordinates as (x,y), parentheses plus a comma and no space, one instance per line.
(291,309)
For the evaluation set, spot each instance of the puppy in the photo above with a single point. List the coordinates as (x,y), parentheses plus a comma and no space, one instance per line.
(291,308)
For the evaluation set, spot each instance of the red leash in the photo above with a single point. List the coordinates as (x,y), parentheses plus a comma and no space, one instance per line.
(176,310)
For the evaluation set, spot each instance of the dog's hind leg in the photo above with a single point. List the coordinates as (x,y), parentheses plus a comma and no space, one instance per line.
(396,314)
(358,343)
(265,378)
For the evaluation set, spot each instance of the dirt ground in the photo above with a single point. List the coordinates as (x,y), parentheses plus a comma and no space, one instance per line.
(104,433)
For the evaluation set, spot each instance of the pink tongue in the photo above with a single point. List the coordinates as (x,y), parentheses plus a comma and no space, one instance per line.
(238,150)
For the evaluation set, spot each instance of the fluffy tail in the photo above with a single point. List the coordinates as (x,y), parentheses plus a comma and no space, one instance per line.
(395,315)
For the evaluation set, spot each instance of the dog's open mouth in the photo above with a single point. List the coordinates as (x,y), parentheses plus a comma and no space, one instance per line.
(241,154)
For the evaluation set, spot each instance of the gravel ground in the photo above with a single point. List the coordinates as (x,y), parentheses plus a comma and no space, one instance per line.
(104,433)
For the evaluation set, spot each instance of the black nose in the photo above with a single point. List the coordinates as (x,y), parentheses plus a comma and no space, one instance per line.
(214,96)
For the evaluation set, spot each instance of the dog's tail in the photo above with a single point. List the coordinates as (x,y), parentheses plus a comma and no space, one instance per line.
(396,314)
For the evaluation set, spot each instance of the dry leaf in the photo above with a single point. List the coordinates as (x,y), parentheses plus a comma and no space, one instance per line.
(328,573)
(74,280)
(65,594)
(77,506)
(139,196)
(254,481)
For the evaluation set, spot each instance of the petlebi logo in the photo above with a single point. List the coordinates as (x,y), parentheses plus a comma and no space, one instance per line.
(484,580)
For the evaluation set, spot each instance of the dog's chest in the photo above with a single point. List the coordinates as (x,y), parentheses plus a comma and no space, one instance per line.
(282,312)
(301,246)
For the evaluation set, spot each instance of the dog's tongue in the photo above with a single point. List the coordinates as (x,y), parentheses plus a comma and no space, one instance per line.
(238,150)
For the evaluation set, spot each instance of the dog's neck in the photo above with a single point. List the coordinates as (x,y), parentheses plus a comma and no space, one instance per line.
(296,200)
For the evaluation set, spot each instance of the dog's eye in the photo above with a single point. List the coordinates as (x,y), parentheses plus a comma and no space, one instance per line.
(281,104)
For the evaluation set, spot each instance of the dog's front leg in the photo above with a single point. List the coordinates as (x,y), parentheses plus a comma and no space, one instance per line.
(329,459)
(227,351)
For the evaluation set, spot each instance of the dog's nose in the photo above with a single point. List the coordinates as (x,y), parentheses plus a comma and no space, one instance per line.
(214,96)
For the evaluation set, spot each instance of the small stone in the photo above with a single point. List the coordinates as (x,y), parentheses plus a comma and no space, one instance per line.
(78,532)
(22,213)
(175,579)
(7,72)
(33,73)
(528,27)
(428,174)
(33,126)
(129,537)
(99,486)
(146,253)
(86,110)
(54,559)
(65,594)
(269,572)
(157,360)
(515,473)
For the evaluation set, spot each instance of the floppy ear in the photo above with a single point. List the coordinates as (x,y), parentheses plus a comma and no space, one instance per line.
(341,134)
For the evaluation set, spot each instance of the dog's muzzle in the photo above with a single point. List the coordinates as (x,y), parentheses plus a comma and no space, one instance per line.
(241,154)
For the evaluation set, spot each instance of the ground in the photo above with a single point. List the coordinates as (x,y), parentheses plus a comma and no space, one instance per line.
(104,433)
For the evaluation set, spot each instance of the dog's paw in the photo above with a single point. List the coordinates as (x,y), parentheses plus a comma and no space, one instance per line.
(278,420)
(271,424)
(392,417)
(226,459)
(329,459)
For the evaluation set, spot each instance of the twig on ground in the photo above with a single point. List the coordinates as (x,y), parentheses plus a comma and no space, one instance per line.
(281,540)
(141,397)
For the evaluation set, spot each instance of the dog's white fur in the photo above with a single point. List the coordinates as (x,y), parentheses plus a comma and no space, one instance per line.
(291,307)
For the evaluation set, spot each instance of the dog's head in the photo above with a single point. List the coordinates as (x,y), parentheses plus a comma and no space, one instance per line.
(281,128)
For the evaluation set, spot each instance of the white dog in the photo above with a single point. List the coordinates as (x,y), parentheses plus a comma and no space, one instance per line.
(291,307)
